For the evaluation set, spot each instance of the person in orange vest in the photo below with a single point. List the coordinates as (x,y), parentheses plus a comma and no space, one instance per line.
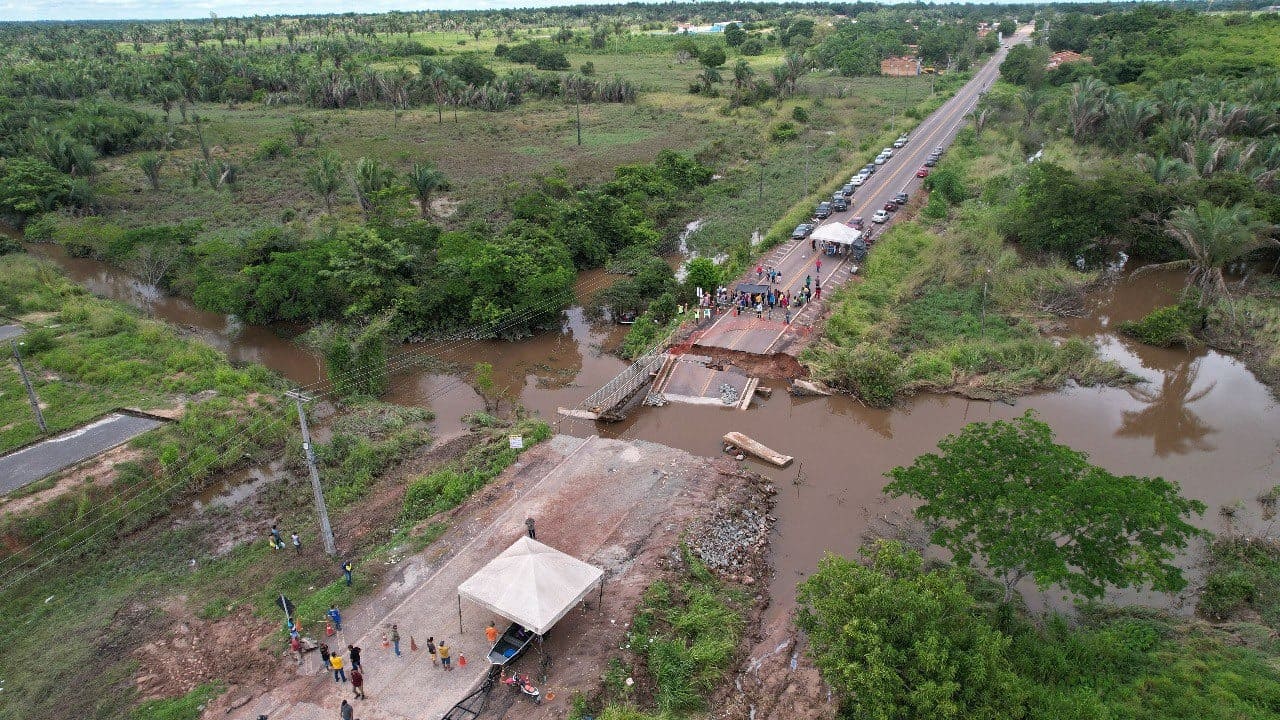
(491,634)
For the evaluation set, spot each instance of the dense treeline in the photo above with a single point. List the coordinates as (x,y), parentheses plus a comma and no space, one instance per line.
(1188,100)
(501,281)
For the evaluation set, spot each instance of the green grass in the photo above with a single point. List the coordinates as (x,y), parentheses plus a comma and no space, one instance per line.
(685,634)
(1243,578)
(187,707)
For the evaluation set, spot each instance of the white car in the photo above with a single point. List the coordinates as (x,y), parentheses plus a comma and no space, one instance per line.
(858,180)
(887,152)
(880,217)
(880,159)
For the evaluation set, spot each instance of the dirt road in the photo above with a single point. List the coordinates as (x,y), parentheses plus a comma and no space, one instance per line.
(615,504)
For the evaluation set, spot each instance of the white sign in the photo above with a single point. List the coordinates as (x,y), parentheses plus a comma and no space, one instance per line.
(517,441)
(699,292)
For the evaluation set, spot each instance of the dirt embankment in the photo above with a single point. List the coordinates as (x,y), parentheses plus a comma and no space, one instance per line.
(776,365)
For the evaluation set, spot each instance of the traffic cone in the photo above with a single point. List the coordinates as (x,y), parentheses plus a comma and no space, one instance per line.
(328,628)
(462,660)
(413,644)
(385,642)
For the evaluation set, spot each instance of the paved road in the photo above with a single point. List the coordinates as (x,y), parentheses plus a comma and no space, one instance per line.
(62,451)
(795,259)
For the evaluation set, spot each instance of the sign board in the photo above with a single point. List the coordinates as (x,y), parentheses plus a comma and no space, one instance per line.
(516,441)
(699,290)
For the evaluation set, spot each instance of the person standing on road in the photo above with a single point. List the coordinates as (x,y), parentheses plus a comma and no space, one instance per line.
(528,524)
(345,711)
(335,663)
(817,291)
(297,543)
(444,655)
(759,271)
(346,572)
(808,280)
(357,683)
(335,617)
(395,639)
(491,634)
(431,648)
(324,657)
(296,646)
(354,653)
(818,267)
(813,245)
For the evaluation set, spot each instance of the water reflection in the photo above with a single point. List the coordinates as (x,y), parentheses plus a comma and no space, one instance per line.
(1165,416)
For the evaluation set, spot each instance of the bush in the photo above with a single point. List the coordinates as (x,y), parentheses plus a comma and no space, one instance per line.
(272,149)
(1165,326)
(783,132)
(799,114)
(752,47)
(588,68)
(871,371)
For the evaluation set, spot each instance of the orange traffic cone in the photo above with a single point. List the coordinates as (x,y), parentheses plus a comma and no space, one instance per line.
(462,660)
(328,628)
(413,644)
(385,642)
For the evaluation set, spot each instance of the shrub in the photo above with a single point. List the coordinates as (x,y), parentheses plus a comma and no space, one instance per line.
(271,149)
(799,114)
(1165,326)
(783,132)
(871,371)
(588,68)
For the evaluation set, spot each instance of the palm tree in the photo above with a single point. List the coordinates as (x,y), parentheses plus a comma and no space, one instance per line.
(325,177)
(1164,169)
(150,164)
(437,79)
(1213,237)
(369,178)
(425,179)
(1087,106)
(708,77)
(1032,101)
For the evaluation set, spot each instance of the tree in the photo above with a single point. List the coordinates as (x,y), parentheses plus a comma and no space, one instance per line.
(734,36)
(424,179)
(370,268)
(484,385)
(701,273)
(1213,237)
(355,360)
(552,60)
(325,178)
(1025,65)
(369,178)
(150,164)
(712,57)
(1005,491)
(743,74)
(899,643)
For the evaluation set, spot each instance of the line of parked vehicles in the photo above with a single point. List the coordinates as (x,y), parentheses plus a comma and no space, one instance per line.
(841,200)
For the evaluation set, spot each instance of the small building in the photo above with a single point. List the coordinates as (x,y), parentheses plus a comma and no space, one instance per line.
(1064,57)
(900,66)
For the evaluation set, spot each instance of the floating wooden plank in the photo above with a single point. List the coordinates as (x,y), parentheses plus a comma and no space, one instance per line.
(757,449)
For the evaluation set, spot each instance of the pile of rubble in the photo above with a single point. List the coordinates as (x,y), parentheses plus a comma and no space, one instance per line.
(733,538)
(728,394)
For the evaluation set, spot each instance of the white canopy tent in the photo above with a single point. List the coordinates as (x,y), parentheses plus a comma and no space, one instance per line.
(837,233)
(530,583)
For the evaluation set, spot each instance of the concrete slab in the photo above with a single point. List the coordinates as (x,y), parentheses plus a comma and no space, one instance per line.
(47,457)
(692,381)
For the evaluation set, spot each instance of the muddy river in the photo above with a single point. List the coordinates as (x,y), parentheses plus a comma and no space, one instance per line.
(1200,418)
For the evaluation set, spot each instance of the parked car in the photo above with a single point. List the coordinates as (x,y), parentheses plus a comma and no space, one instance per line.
(802,231)
(887,152)
(891,206)
(939,150)
(847,190)
(880,217)
(922,172)
(930,161)
(880,160)
(900,198)
(839,203)
(869,168)
(823,211)
(855,222)
(899,143)
(858,179)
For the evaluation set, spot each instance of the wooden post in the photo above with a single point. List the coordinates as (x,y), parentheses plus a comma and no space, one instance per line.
(459,614)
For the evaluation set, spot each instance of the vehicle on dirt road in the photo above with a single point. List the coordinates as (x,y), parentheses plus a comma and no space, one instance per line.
(880,217)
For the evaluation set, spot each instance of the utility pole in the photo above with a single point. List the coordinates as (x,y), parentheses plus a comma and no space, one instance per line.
(326,530)
(31,392)
(577,106)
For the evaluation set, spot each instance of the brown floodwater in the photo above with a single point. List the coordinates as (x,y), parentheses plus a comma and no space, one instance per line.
(1200,418)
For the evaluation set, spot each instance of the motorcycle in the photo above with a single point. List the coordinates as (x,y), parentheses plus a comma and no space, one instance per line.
(519,682)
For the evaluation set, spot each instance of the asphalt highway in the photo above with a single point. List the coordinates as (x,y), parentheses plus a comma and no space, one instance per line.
(795,259)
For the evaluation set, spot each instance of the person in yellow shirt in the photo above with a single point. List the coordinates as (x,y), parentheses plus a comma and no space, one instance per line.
(335,664)
(491,634)
(443,649)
